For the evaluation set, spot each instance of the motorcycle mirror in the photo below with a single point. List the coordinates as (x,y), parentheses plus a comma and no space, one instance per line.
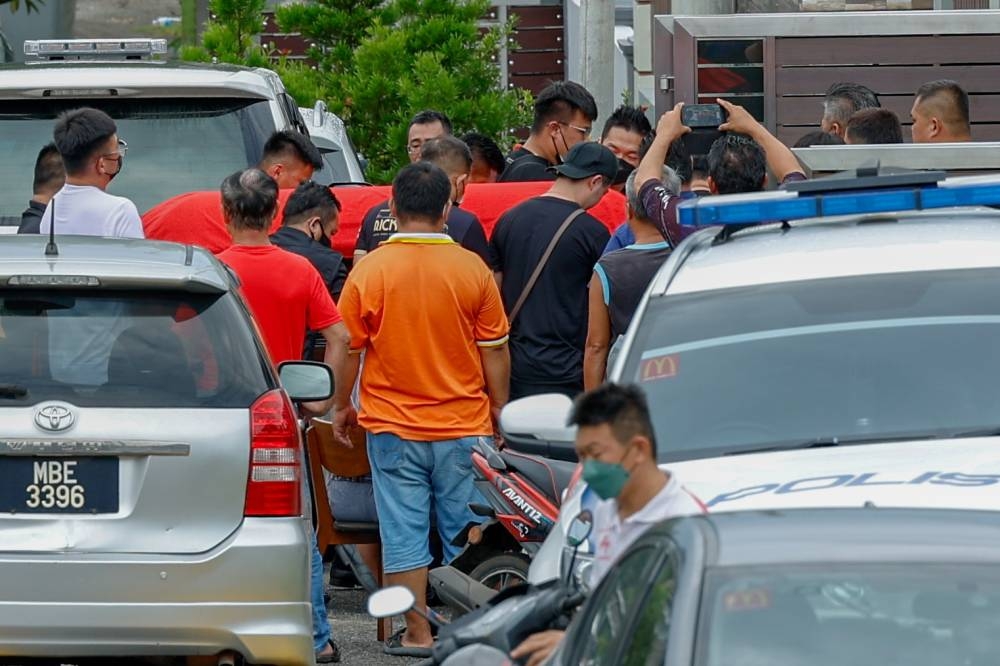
(579,529)
(390,601)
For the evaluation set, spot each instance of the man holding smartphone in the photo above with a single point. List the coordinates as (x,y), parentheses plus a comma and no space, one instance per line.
(737,162)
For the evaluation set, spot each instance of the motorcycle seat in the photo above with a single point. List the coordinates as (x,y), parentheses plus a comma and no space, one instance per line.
(550,477)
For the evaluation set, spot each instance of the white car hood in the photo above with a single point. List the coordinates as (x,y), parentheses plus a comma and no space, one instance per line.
(956,473)
(936,473)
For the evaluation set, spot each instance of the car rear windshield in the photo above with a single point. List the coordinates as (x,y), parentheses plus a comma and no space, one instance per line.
(174,145)
(821,362)
(918,615)
(127,349)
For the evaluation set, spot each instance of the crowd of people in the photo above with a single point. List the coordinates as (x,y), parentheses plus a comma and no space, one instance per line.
(436,326)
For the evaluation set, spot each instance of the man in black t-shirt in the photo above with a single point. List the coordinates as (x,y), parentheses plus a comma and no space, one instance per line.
(548,334)
(454,157)
(564,116)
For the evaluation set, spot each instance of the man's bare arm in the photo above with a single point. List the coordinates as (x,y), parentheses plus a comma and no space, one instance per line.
(668,130)
(595,353)
(337,340)
(496,367)
(780,158)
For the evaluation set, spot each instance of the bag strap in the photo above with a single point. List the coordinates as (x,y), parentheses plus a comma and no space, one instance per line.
(541,264)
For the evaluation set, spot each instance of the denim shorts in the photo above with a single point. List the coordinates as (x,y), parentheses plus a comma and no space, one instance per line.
(411,479)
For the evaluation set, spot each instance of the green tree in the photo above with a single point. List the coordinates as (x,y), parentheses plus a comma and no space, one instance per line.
(29,5)
(378,62)
(230,36)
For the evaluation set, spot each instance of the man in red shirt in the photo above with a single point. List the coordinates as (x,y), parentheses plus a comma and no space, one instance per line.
(289,158)
(286,296)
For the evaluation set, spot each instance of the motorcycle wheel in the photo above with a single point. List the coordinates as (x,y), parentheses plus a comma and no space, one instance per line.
(502,571)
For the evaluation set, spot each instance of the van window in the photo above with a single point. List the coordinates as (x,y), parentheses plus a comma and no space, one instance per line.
(127,349)
(174,145)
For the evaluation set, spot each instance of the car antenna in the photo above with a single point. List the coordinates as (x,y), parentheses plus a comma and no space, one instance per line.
(50,248)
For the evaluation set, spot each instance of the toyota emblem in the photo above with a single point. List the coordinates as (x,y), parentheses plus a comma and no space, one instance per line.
(54,417)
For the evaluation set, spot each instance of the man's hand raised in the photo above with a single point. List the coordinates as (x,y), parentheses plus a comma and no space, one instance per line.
(738,120)
(670,126)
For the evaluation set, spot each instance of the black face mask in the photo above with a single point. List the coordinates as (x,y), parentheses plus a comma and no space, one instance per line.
(624,171)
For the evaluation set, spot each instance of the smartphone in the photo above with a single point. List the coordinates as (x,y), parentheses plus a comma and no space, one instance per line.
(703,115)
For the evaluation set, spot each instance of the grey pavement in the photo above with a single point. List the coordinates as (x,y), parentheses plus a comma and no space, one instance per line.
(354,631)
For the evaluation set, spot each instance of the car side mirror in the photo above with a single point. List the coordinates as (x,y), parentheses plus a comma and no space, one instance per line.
(306,381)
(390,601)
(541,416)
(579,529)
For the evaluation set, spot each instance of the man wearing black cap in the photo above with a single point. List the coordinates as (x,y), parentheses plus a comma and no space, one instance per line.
(546,249)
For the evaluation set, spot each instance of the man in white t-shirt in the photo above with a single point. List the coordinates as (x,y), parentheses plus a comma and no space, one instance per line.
(616,445)
(93,155)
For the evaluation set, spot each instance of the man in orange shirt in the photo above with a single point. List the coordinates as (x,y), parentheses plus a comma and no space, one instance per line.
(428,316)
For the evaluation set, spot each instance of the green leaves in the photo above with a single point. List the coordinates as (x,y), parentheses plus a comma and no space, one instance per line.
(379,62)
(29,5)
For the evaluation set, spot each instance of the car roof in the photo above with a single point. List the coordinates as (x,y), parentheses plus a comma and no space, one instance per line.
(858,535)
(828,248)
(115,262)
(146,78)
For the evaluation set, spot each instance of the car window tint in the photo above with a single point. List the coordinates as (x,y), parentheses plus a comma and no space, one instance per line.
(605,629)
(127,349)
(174,145)
(871,357)
(648,644)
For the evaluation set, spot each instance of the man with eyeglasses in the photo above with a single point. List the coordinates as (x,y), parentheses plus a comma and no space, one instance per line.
(93,154)
(565,113)
(425,126)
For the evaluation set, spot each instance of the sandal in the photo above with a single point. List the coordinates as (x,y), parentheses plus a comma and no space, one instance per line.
(332,658)
(394,646)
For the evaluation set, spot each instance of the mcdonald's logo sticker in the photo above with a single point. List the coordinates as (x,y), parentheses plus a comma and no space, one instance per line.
(747,600)
(660,367)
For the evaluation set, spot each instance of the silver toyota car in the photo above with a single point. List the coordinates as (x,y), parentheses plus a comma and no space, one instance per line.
(151,490)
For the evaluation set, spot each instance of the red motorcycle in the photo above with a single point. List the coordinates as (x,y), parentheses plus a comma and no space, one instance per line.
(523,494)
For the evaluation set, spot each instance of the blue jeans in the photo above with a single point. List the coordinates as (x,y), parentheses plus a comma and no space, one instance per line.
(321,623)
(410,478)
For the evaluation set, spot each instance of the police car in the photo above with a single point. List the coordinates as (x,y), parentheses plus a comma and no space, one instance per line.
(850,355)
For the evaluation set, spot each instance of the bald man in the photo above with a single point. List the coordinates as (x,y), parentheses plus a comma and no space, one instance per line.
(941,113)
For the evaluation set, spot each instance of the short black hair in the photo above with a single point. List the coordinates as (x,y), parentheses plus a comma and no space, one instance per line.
(844,99)
(309,199)
(290,143)
(50,174)
(736,164)
(449,153)
(630,119)
(485,149)
(80,134)
(250,199)
(679,159)
(955,101)
(623,407)
(559,100)
(699,166)
(874,126)
(421,191)
(818,138)
(429,116)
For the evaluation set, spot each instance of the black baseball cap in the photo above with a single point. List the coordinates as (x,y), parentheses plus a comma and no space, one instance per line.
(587,159)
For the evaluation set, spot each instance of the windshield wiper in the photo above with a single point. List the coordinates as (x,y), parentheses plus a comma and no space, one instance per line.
(13,391)
(829,442)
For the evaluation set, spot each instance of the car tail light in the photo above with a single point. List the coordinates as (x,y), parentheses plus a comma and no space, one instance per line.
(577,474)
(274,484)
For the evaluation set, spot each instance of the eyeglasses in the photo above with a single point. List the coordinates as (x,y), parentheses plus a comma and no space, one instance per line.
(122,149)
(414,148)
(585,131)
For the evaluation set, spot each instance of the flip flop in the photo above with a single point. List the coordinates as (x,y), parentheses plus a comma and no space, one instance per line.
(332,658)
(394,646)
